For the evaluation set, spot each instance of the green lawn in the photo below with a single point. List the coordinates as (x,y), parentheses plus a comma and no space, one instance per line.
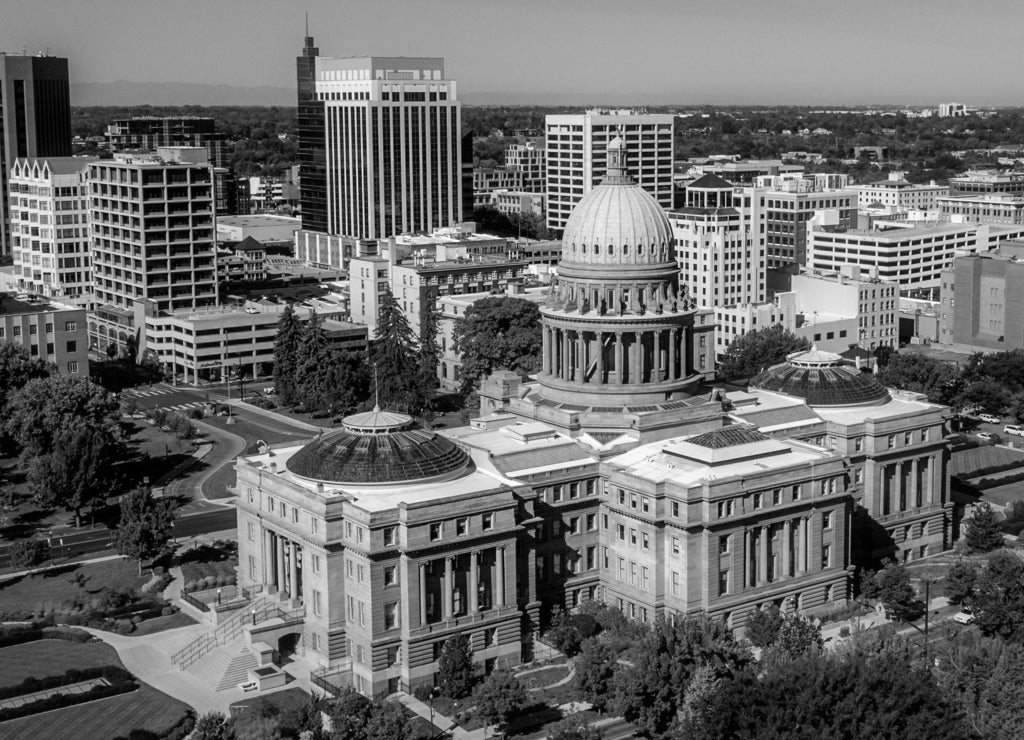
(117,716)
(161,624)
(50,589)
(51,657)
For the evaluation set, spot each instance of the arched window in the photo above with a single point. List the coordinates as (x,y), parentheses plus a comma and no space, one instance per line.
(640,249)
(610,249)
(625,249)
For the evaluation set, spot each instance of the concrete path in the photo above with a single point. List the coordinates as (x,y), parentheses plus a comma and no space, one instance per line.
(266,413)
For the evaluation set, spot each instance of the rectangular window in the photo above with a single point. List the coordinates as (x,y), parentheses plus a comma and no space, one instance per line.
(73,368)
(826,556)
(390,575)
(758,500)
(632,536)
(574,490)
(797,490)
(487,522)
(675,508)
(295,515)
(645,578)
(621,531)
(316,563)
(645,541)
(604,522)
(858,444)
(924,435)
(622,497)
(591,557)
(723,582)
(826,520)
(776,496)
(556,493)
(314,524)
(645,504)
(675,545)
(632,500)
(461,527)
(350,568)
(622,569)
(252,532)
(632,573)
(361,571)
(574,525)
(317,607)
(892,441)
(350,613)
(70,326)
(252,567)
(391,615)
(723,544)
(435,531)
(591,522)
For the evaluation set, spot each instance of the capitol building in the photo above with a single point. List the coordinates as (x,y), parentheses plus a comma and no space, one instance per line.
(621,473)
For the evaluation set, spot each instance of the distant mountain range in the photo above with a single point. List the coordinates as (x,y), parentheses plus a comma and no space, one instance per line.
(124,93)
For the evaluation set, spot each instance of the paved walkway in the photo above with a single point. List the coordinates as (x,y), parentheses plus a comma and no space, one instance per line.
(283,418)
(72,688)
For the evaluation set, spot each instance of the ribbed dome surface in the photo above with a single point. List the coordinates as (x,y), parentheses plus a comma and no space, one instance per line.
(822,379)
(409,455)
(617,223)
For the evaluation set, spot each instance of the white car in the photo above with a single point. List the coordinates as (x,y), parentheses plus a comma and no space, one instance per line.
(964,616)
(985,435)
(989,418)
(1014,429)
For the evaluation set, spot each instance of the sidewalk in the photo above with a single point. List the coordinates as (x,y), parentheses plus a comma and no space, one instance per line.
(283,418)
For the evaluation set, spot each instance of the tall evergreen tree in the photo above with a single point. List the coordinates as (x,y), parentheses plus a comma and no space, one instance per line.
(429,356)
(286,355)
(314,365)
(393,356)
(982,531)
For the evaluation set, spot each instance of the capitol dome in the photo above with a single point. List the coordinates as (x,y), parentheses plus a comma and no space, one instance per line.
(378,448)
(822,379)
(617,223)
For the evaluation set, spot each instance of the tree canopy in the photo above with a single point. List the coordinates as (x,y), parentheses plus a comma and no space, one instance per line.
(498,333)
(982,532)
(758,350)
(287,345)
(892,587)
(499,698)
(940,381)
(145,526)
(998,596)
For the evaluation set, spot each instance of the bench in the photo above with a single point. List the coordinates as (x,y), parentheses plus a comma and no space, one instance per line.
(248,686)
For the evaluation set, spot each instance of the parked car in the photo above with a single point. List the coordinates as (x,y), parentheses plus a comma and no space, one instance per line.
(987,436)
(964,616)
(269,390)
(989,418)
(1014,429)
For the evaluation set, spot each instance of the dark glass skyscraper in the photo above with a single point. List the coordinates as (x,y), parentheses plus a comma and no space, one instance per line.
(35,119)
(312,148)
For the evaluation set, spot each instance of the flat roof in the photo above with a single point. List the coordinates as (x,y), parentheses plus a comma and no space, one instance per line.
(13,305)
(259,219)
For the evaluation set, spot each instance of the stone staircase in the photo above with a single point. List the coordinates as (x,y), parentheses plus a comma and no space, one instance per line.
(225,666)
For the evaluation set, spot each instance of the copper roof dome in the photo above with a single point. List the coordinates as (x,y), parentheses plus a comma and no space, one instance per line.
(822,379)
(376,448)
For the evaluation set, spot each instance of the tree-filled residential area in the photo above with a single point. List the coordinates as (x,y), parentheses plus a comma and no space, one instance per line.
(582,383)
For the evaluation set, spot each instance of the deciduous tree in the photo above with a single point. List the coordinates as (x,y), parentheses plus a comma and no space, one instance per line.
(959,581)
(17,367)
(387,721)
(650,691)
(498,333)
(763,625)
(940,381)
(499,698)
(28,553)
(594,671)
(998,599)
(79,473)
(44,407)
(145,526)
(758,350)
(213,726)
(892,587)
(573,728)
(349,713)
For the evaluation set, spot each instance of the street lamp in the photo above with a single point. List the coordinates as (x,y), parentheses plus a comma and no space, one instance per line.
(436,691)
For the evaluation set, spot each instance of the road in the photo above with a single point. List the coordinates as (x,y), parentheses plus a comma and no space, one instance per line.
(91,541)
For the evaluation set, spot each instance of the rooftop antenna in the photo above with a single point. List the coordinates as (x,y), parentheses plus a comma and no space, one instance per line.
(376,389)
(307,24)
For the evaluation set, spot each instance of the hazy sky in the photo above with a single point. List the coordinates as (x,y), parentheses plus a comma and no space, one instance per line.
(687,51)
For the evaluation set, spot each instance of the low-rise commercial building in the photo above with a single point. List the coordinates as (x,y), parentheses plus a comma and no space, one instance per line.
(899,194)
(261,227)
(983,208)
(975,182)
(49,330)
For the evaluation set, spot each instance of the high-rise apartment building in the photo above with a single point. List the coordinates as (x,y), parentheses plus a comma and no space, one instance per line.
(152,224)
(49,205)
(150,132)
(35,118)
(311,142)
(393,145)
(577,160)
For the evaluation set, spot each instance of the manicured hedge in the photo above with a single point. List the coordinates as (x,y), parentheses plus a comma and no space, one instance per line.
(59,701)
(22,635)
(113,673)
(984,483)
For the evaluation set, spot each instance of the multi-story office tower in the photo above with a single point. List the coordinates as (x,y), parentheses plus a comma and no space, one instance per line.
(719,235)
(152,228)
(790,206)
(528,159)
(982,298)
(393,145)
(150,132)
(35,118)
(50,227)
(311,142)
(577,159)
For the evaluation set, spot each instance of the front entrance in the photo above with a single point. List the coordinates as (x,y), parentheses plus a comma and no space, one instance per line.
(287,646)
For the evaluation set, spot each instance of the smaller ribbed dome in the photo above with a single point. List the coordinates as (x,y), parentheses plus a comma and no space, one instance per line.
(822,379)
(378,447)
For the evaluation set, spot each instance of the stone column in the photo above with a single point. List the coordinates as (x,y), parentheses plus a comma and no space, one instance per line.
(293,575)
(545,348)
(762,556)
(634,369)
(787,541)
(600,358)
(269,573)
(915,482)
(748,558)
(423,594)
(566,356)
(929,478)
(672,343)
(581,358)
(499,567)
(801,550)
(449,588)
(658,365)
(280,563)
(474,582)
(619,358)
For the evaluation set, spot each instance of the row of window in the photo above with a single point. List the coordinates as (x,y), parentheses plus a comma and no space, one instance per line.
(461,527)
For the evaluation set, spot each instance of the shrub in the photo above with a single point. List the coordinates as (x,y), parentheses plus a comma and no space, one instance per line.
(182,729)
(196,414)
(190,586)
(56,701)
(844,631)
(159,570)
(167,611)
(123,627)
